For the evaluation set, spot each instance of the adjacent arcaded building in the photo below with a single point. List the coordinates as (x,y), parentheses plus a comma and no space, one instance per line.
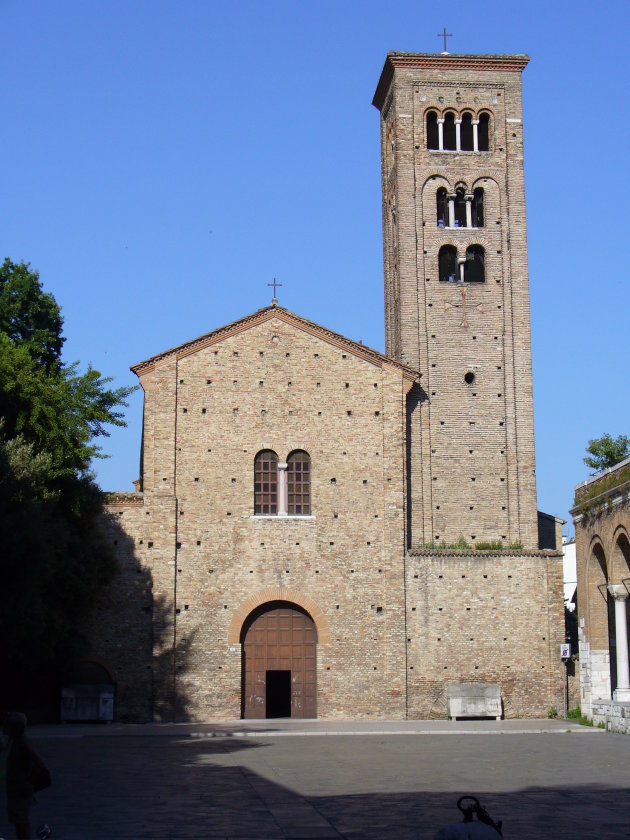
(602,535)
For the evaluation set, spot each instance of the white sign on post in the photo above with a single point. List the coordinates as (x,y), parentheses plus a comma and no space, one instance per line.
(565,651)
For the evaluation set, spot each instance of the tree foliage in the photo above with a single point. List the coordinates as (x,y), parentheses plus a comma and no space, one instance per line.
(29,317)
(606,451)
(54,558)
(55,407)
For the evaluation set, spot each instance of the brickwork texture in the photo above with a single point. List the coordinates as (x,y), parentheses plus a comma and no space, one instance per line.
(406,456)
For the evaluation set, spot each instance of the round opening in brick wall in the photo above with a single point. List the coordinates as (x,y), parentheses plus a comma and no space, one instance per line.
(469,377)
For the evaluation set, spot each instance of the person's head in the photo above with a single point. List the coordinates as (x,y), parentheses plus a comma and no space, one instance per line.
(14,724)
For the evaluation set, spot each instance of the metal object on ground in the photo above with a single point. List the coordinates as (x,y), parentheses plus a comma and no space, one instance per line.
(483,828)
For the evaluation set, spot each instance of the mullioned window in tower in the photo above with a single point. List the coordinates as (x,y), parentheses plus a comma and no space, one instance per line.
(451,132)
(459,209)
(455,269)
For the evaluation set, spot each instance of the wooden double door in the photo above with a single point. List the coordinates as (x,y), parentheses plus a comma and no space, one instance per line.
(279,672)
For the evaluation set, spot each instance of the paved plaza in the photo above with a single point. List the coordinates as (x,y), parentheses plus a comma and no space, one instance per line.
(320,779)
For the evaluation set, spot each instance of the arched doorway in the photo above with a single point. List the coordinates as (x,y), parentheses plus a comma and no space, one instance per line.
(279,664)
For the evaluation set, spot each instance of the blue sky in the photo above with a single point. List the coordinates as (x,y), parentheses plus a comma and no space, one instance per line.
(162,161)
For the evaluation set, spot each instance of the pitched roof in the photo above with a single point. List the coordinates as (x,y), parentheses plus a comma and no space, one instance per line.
(288,317)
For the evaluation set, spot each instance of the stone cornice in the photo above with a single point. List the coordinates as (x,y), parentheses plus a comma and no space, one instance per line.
(472,554)
(602,475)
(617,494)
(444,61)
(123,499)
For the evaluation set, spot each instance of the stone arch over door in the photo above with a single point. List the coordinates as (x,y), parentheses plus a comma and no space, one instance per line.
(279,662)
(279,593)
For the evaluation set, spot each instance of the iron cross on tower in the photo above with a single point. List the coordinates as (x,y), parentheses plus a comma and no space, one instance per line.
(274,284)
(445,35)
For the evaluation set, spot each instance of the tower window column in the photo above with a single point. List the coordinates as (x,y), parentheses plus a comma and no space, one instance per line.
(475,127)
(451,211)
(469,219)
(440,124)
(458,135)
(461,262)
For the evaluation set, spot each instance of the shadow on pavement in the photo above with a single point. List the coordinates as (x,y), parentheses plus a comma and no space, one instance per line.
(239,788)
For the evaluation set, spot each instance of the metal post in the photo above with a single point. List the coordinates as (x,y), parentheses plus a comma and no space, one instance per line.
(564,686)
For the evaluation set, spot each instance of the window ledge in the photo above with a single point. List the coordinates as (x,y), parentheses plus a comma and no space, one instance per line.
(281,516)
(458,152)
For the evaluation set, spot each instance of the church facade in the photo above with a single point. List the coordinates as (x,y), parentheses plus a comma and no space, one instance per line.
(323,530)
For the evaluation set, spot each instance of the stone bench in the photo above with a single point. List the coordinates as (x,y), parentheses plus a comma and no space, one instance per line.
(474,700)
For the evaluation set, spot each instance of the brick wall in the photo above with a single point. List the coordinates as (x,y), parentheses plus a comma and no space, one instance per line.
(120,625)
(207,414)
(472,463)
(491,617)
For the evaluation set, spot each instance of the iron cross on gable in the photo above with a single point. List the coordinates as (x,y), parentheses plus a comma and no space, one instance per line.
(274,284)
(462,305)
(445,35)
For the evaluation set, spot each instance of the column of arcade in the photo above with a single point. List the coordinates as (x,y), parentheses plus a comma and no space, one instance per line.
(620,595)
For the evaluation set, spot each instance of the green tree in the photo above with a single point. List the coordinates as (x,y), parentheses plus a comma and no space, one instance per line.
(55,407)
(54,558)
(28,315)
(606,451)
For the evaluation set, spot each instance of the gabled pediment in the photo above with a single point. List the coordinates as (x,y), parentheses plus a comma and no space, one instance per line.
(267,314)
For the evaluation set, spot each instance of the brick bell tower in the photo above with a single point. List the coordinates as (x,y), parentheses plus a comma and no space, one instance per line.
(457,292)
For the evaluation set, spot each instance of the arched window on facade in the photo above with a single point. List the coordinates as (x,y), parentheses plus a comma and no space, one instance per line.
(450,134)
(474,267)
(447,260)
(442,207)
(433,136)
(466,137)
(477,208)
(266,483)
(484,133)
(460,207)
(299,484)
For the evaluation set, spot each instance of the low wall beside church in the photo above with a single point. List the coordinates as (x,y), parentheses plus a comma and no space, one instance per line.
(485,617)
